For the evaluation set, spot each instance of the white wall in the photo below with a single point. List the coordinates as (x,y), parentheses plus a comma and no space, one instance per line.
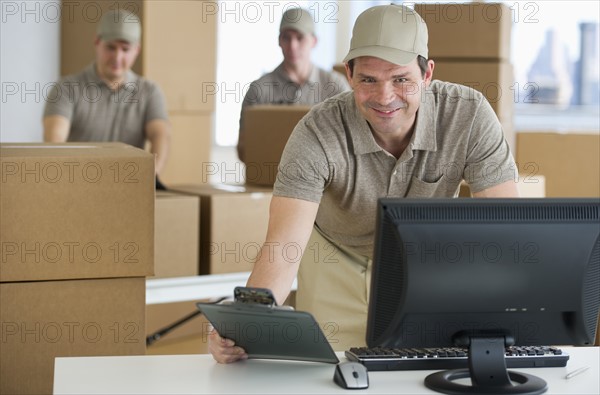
(29,65)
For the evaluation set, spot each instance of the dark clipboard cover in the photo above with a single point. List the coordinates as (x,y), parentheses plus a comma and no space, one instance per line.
(270,332)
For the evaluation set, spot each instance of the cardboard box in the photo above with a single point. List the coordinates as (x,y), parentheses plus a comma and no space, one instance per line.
(340,68)
(494,79)
(76,211)
(164,315)
(476,30)
(177,227)
(570,162)
(47,319)
(266,131)
(186,73)
(233,225)
(189,151)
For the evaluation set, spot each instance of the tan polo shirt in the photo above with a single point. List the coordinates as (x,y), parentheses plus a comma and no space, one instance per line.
(98,113)
(332,158)
(276,87)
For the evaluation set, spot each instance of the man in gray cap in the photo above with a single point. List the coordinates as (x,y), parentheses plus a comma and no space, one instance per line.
(107,101)
(397,134)
(296,80)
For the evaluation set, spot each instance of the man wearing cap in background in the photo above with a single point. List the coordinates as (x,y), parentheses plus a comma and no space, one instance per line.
(107,101)
(398,134)
(296,80)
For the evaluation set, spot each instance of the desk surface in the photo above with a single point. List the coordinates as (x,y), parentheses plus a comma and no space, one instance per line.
(199,374)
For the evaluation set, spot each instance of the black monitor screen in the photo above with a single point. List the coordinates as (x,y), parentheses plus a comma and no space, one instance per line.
(447,269)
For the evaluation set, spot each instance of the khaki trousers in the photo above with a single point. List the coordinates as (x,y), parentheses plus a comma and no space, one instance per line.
(333,285)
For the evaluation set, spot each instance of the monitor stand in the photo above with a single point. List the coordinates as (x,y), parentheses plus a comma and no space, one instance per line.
(487,371)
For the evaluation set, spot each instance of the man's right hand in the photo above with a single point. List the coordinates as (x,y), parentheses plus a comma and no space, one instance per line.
(224,350)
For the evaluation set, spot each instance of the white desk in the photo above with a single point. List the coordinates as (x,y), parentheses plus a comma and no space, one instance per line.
(199,374)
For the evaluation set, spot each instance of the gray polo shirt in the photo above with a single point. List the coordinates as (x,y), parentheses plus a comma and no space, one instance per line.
(97,113)
(332,158)
(276,87)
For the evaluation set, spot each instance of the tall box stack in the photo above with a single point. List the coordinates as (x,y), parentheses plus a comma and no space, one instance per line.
(470,44)
(76,242)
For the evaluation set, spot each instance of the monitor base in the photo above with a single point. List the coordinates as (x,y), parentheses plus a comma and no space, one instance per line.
(487,371)
(442,382)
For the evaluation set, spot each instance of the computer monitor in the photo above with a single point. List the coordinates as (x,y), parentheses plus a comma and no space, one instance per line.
(483,274)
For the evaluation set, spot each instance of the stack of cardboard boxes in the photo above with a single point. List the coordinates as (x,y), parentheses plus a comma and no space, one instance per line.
(234,217)
(470,44)
(77,241)
(203,229)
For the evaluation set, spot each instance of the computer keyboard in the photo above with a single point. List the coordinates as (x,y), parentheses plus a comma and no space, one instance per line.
(378,359)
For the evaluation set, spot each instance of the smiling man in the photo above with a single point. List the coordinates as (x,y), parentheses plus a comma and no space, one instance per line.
(398,133)
(107,101)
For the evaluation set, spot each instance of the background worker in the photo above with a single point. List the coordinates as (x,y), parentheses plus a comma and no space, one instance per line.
(296,80)
(107,101)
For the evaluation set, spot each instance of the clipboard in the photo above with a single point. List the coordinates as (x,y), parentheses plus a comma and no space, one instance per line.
(268,331)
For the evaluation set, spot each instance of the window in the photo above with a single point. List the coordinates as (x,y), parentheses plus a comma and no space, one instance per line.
(555,57)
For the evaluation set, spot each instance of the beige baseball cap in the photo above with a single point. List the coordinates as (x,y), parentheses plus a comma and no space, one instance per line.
(120,25)
(393,32)
(297,19)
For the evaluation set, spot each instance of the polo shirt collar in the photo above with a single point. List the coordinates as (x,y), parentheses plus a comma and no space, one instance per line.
(422,139)
(360,132)
(312,78)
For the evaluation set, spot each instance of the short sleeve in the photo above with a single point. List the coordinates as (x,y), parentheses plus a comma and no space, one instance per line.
(156,107)
(489,160)
(61,99)
(304,170)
